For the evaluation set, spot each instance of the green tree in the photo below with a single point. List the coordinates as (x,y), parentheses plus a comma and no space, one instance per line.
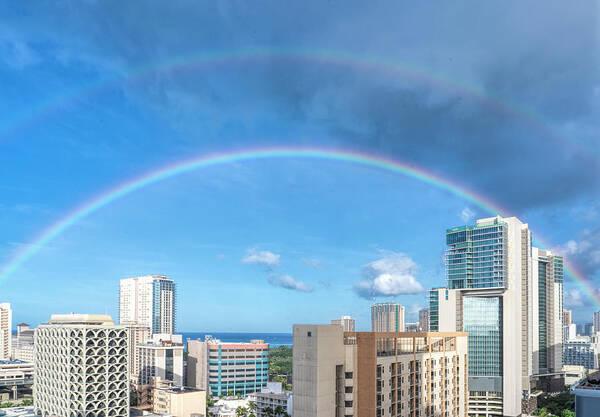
(568,413)
(241,411)
(27,402)
(279,411)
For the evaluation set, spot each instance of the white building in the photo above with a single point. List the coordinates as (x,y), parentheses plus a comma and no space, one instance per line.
(569,332)
(148,300)
(22,343)
(581,351)
(5,331)
(272,397)
(162,357)
(15,373)
(507,295)
(573,373)
(347,323)
(81,367)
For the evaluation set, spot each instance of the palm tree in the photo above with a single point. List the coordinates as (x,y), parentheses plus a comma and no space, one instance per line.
(269,412)
(279,410)
(241,411)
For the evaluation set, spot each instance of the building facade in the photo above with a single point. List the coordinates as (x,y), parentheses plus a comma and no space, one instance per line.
(179,402)
(424,320)
(507,295)
(22,343)
(372,374)
(15,372)
(387,317)
(161,357)
(347,323)
(150,301)
(5,331)
(567,317)
(569,332)
(228,368)
(581,351)
(138,334)
(81,367)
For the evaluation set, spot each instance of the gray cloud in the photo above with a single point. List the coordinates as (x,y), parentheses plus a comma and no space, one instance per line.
(584,251)
(289,283)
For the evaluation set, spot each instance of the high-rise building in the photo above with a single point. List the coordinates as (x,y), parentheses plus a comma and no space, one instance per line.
(371,374)
(387,317)
(161,357)
(138,334)
(347,323)
(569,332)
(567,317)
(507,296)
(81,367)
(588,329)
(149,300)
(597,322)
(5,331)
(223,368)
(424,320)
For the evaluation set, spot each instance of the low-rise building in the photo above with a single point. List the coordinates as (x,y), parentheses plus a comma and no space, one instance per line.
(587,396)
(161,357)
(15,372)
(224,368)
(180,401)
(271,397)
(573,373)
(227,407)
(369,374)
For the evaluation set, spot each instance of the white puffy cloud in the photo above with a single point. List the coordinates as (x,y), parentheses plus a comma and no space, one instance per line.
(263,257)
(584,252)
(392,275)
(288,282)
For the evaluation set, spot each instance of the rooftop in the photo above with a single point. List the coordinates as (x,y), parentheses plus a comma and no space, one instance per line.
(592,382)
(14,362)
(180,390)
(96,319)
(17,412)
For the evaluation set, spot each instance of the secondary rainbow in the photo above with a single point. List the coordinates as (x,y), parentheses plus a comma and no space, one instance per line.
(209,160)
(381,67)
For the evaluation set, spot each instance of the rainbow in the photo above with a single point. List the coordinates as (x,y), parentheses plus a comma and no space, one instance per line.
(367,64)
(210,160)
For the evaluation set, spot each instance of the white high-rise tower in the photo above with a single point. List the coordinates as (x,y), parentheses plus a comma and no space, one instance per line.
(5,330)
(149,301)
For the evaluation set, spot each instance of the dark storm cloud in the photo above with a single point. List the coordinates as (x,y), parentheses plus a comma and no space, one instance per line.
(539,56)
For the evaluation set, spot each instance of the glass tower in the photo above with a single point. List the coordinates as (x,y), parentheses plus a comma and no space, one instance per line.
(483,322)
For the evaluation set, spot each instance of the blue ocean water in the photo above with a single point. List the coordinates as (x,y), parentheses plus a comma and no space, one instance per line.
(273,339)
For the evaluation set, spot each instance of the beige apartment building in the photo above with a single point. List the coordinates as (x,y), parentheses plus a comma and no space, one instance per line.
(138,335)
(179,401)
(378,374)
(5,331)
(387,317)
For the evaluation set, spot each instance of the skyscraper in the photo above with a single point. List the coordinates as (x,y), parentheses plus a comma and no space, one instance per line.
(150,301)
(387,317)
(597,322)
(5,331)
(588,329)
(424,320)
(507,296)
(81,367)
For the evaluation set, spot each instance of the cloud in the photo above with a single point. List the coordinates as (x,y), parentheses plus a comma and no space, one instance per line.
(312,262)
(584,252)
(467,214)
(288,282)
(573,299)
(392,275)
(263,257)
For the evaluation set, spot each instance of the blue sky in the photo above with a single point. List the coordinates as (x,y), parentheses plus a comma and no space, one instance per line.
(503,100)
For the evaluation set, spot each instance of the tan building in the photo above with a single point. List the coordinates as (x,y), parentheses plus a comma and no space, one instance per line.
(567,317)
(179,401)
(161,357)
(378,374)
(387,317)
(138,334)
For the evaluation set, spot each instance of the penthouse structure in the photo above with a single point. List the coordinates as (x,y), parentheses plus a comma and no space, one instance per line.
(81,367)
(372,374)
(507,295)
(228,368)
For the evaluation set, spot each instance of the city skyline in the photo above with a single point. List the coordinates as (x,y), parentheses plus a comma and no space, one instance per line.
(262,157)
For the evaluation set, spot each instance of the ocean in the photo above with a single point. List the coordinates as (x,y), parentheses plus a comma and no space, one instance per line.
(273,339)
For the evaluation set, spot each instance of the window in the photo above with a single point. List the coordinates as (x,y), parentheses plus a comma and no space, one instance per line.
(348,375)
(347,403)
(309,334)
(348,390)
